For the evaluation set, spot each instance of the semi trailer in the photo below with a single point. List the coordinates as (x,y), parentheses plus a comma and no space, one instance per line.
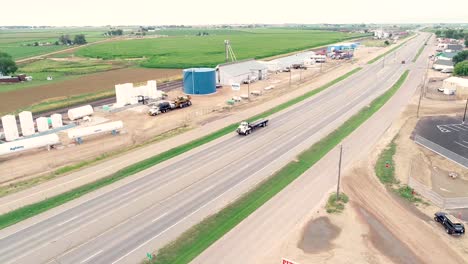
(246,128)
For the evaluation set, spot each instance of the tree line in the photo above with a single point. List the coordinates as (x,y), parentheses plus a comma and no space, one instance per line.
(453,34)
(78,39)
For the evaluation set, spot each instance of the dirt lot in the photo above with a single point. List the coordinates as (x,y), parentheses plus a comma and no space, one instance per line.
(96,82)
(139,127)
(378,226)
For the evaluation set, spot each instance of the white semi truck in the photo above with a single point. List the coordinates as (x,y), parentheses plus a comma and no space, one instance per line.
(246,128)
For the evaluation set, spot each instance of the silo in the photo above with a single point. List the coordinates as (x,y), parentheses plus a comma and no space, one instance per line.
(199,81)
(27,123)
(42,124)
(56,120)
(10,127)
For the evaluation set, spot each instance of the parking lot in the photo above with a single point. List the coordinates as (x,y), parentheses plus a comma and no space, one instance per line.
(446,136)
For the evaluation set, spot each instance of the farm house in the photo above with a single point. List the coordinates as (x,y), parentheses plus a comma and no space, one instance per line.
(237,72)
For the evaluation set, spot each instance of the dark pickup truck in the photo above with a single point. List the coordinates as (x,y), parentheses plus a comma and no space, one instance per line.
(451,226)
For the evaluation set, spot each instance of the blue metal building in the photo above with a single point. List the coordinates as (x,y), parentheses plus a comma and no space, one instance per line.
(200,81)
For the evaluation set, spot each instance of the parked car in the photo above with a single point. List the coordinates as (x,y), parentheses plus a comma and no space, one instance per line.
(440,89)
(403,62)
(451,225)
(287,69)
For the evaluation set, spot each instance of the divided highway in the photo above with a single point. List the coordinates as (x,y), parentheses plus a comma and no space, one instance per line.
(121,224)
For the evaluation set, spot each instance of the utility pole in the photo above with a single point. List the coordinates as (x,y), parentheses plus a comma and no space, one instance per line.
(300,75)
(339,174)
(248,87)
(290,72)
(464,115)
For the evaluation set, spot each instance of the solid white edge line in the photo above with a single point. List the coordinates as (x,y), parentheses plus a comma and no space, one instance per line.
(92,256)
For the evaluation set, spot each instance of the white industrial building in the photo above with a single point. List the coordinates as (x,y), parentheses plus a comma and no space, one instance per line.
(127,94)
(456,85)
(237,72)
(303,58)
(443,65)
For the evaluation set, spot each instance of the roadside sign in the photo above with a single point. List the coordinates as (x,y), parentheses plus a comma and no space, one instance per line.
(235,86)
(287,261)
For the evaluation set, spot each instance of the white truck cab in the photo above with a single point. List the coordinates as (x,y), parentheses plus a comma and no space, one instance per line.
(244,128)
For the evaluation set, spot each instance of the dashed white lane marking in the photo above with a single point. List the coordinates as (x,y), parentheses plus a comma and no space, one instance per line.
(92,256)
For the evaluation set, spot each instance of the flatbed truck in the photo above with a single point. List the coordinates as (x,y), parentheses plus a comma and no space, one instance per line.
(246,128)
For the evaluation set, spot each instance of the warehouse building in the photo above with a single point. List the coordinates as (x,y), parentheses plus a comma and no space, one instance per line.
(456,85)
(342,47)
(240,71)
(302,58)
(443,65)
(446,55)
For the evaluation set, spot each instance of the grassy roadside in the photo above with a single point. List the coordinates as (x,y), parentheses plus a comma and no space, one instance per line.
(389,51)
(22,185)
(28,211)
(385,171)
(198,238)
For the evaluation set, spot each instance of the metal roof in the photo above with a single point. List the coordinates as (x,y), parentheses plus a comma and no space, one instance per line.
(460,81)
(444,62)
(241,67)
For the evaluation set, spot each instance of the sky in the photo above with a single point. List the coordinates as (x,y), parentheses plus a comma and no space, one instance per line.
(201,12)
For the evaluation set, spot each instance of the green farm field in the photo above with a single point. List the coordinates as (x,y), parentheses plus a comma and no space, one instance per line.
(14,42)
(182,49)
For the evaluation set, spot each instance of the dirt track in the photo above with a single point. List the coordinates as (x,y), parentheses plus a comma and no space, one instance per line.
(96,82)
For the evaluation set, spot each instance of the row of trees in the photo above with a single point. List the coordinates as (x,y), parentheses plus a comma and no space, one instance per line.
(461,63)
(7,64)
(79,39)
(116,32)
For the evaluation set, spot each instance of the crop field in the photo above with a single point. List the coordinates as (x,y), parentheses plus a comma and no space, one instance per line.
(59,71)
(184,50)
(14,42)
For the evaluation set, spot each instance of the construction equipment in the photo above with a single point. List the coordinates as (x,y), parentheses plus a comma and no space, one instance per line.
(183,101)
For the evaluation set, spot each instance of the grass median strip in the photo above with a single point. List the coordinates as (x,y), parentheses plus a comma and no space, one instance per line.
(28,211)
(389,51)
(198,238)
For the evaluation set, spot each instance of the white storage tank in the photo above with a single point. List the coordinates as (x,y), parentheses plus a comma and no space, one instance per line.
(56,120)
(92,130)
(80,112)
(29,143)
(10,128)
(42,124)
(27,123)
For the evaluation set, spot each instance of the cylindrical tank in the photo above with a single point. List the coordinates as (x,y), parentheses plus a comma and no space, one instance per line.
(42,124)
(27,123)
(10,128)
(29,143)
(79,112)
(199,81)
(91,130)
(56,120)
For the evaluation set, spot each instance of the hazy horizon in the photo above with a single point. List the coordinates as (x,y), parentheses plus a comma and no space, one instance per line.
(211,12)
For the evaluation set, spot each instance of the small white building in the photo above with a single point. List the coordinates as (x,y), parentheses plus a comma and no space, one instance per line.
(127,94)
(443,65)
(457,84)
(237,72)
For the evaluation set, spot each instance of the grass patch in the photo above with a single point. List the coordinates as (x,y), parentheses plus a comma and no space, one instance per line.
(421,49)
(22,185)
(385,171)
(187,50)
(23,213)
(334,205)
(195,240)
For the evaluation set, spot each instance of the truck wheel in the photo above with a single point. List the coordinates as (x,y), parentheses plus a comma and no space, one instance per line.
(189,103)
(448,231)
(436,219)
